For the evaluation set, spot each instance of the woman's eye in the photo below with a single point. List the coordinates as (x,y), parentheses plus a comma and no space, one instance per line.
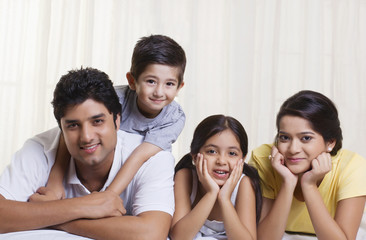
(283,138)
(306,138)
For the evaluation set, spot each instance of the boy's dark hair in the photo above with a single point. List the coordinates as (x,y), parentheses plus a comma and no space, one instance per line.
(77,86)
(211,126)
(319,110)
(157,49)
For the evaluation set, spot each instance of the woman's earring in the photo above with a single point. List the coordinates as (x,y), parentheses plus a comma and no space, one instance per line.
(329,149)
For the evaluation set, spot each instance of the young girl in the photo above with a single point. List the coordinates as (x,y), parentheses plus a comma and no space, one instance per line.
(310,185)
(213,197)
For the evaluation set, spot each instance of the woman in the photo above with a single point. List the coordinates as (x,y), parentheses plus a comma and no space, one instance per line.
(309,184)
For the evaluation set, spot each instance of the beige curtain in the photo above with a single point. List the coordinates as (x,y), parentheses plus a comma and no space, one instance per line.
(244,58)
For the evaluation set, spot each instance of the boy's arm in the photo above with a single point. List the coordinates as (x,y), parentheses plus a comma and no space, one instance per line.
(55,179)
(20,216)
(140,155)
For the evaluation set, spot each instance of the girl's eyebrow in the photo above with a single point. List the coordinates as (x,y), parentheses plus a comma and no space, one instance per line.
(215,146)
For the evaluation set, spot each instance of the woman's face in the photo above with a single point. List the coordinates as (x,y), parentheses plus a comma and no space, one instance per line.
(222,152)
(299,143)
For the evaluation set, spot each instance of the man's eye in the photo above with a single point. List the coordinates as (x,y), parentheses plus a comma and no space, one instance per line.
(98,121)
(72,125)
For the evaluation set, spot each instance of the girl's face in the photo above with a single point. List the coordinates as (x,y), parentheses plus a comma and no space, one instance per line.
(299,143)
(222,152)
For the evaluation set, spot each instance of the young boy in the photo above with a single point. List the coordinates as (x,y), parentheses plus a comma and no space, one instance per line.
(148,108)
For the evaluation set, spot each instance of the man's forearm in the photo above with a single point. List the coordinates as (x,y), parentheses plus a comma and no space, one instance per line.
(18,216)
(148,225)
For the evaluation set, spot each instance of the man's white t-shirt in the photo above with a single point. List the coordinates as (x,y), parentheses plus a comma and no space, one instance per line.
(151,189)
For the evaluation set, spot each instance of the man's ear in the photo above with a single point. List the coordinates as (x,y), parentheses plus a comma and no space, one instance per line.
(131,81)
(118,121)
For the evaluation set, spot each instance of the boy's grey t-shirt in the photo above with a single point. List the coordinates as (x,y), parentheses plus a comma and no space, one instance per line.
(162,131)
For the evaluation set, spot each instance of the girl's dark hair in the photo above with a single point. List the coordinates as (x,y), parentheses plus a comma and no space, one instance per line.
(77,86)
(211,126)
(319,110)
(157,49)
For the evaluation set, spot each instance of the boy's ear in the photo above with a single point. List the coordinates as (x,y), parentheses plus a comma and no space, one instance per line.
(181,85)
(131,81)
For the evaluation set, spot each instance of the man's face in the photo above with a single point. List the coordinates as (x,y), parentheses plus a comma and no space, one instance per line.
(90,134)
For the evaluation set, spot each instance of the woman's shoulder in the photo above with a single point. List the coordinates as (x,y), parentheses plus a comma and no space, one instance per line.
(263,150)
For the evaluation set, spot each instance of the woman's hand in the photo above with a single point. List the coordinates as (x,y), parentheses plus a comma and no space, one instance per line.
(278,163)
(229,186)
(204,177)
(319,167)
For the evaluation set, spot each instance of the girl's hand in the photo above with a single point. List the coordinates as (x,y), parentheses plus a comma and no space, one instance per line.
(278,163)
(204,177)
(320,166)
(229,186)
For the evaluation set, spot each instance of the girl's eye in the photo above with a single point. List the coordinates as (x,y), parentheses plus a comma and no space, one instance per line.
(233,154)
(170,84)
(211,151)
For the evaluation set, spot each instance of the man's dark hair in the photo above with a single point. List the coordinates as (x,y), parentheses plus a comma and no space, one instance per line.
(79,85)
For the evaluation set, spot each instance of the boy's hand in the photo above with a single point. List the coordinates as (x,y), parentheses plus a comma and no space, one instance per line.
(43,194)
(320,166)
(103,204)
(231,182)
(278,163)
(204,177)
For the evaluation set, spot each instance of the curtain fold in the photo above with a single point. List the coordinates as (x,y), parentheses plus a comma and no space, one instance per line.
(244,58)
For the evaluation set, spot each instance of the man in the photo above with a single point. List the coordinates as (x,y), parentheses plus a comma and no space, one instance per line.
(88,113)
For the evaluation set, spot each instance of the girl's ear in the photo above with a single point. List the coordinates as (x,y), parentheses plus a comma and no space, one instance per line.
(194,159)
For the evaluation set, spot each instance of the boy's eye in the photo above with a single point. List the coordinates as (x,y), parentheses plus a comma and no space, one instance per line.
(170,84)
(150,81)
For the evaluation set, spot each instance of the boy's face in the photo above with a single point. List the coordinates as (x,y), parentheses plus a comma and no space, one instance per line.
(90,134)
(156,87)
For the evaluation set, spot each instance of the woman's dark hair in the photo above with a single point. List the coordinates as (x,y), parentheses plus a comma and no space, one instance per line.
(77,86)
(157,49)
(319,110)
(211,126)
